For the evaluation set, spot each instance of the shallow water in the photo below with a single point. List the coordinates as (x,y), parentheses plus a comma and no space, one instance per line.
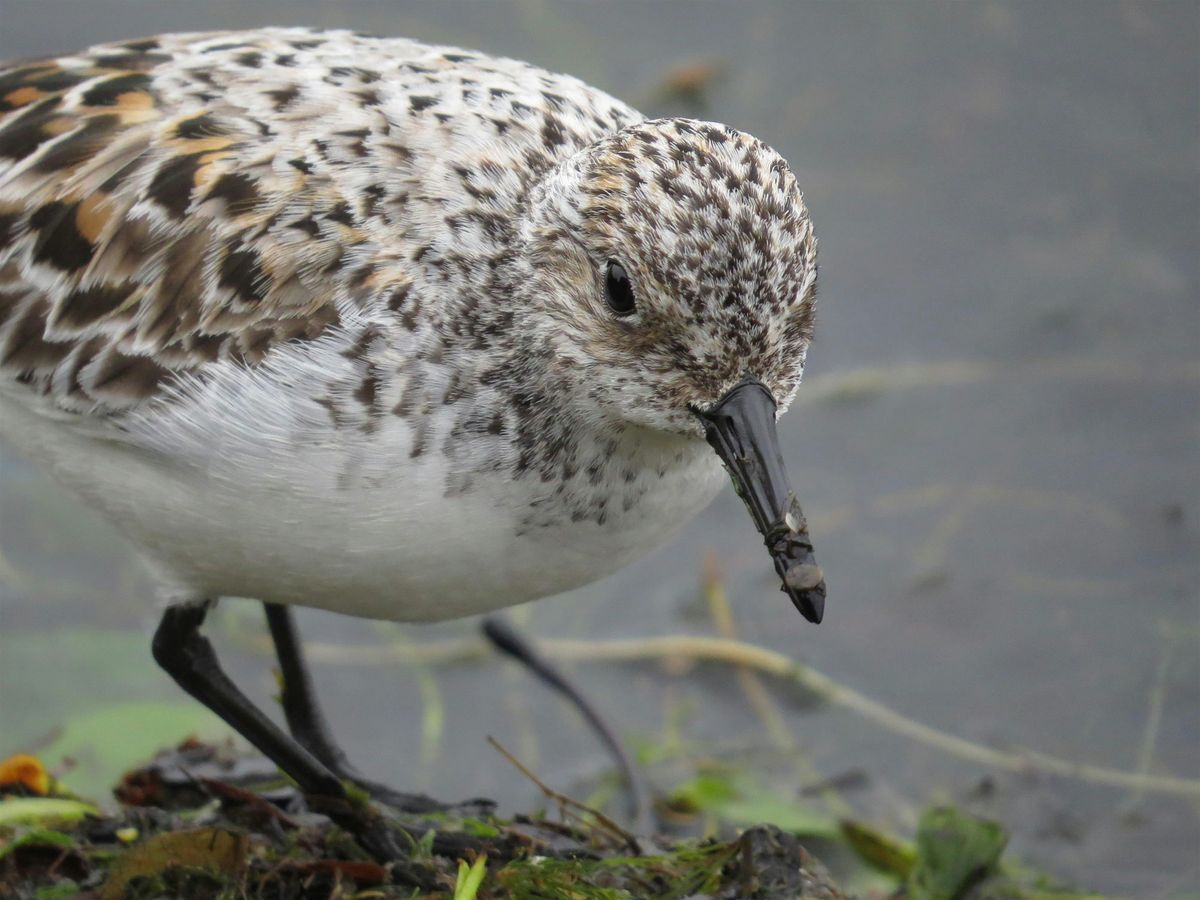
(996,443)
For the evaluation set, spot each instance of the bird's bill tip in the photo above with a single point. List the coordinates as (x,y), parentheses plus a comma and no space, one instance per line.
(741,428)
(804,583)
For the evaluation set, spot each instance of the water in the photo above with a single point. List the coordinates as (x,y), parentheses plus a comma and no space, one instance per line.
(997,446)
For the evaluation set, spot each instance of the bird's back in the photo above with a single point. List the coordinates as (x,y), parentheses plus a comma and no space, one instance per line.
(177,203)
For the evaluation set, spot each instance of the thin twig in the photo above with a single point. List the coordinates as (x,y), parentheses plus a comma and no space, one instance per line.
(751,685)
(708,649)
(756,692)
(509,641)
(783,667)
(226,791)
(872,380)
(1158,695)
(566,802)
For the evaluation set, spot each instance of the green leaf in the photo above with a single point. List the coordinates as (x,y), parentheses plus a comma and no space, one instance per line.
(105,742)
(423,849)
(49,676)
(39,810)
(707,792)
(954,850)
(882,851)
(469,880)
(478,828)
(37,837)
(740,800)
(790,815)
(358,797)
(70,676)
(58,891)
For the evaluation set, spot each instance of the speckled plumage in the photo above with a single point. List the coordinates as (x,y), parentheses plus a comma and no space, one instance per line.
(316,318)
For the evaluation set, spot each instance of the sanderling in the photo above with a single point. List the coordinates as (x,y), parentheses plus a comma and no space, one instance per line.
(401,331)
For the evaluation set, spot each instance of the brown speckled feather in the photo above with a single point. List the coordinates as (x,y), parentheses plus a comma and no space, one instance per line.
(169,202)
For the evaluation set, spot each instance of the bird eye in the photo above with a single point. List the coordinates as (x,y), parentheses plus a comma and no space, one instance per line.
(619,290)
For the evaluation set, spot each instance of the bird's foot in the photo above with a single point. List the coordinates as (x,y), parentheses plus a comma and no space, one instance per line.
(380,820)
(419,804)
(412,804)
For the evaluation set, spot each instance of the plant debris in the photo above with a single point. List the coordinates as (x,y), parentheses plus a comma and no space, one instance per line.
(26,771)
(201,823)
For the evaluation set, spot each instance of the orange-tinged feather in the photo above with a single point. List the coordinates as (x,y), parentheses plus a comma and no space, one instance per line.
(23,95)
(92,215)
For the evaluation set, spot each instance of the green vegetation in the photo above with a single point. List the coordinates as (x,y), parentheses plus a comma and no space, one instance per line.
(193,835)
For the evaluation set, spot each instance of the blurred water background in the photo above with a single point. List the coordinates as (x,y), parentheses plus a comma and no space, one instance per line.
(996,443)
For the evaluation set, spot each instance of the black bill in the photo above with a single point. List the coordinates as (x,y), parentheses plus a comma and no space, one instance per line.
(741,428)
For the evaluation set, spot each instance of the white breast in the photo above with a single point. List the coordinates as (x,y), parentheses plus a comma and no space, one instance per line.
(247,490)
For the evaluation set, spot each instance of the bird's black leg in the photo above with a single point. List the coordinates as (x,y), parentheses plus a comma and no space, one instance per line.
(298,698)
(189,658)
(307,723)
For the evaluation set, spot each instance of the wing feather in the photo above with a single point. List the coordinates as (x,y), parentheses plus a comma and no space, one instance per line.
(177,203)
(146,231)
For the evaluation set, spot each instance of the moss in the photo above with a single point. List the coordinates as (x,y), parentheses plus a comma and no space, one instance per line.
(199,837)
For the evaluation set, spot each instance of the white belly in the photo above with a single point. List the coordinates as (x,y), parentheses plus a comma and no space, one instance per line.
(377,537)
